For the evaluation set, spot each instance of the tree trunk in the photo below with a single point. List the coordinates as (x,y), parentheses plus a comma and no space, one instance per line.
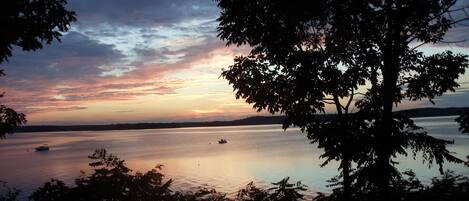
(345,160)
(346,178)
(390,76)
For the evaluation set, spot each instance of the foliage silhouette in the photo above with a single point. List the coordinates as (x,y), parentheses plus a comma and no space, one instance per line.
(304,57)
(7,193)
(28,24)
(112,180)
(463,121)
(251,193)
(284,191)
(9,118)
(409,188)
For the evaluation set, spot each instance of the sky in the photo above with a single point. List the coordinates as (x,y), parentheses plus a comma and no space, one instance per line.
(146,61)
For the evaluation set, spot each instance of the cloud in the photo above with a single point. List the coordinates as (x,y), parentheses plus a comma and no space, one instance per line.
(142,12)
(78,56)
(124,111)
(72,108)
(81,70)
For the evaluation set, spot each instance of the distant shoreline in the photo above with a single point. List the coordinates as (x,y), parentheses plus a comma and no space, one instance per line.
(255,120)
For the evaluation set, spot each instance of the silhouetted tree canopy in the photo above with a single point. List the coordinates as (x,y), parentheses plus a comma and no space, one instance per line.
(306,55)
(9,118)
(28,24)
(409,188)
(7,193)
(463,121)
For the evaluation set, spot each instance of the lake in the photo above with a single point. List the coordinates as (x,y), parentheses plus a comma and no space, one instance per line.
(192,156)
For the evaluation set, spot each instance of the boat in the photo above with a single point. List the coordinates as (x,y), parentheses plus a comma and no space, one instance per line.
(222,141)
(44,147)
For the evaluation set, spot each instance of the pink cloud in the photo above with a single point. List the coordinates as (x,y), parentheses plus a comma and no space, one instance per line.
(46,90)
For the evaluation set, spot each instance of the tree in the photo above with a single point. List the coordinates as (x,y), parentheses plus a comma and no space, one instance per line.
(408,73)
(9,120)
(28,24)
(290,71)
(306,56)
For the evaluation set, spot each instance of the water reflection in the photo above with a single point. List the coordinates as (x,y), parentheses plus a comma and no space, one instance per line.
(193,157)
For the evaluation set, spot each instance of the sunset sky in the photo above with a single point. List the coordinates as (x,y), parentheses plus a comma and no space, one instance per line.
(145,61)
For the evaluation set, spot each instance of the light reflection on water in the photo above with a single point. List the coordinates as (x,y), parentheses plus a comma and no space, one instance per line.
(192,156)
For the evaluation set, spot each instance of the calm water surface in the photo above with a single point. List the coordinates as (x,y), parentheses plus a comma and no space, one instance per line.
(192,156)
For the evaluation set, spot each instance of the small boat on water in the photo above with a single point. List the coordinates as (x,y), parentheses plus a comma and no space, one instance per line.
(222,141)
(44,147)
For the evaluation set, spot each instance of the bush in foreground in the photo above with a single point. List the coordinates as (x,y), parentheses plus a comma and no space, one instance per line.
(112,180)
(7,193)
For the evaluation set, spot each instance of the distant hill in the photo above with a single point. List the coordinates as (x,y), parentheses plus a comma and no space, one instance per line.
(256,120)
(431,111)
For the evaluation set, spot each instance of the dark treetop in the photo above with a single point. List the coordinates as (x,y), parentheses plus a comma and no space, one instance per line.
(309,54)
(28,24)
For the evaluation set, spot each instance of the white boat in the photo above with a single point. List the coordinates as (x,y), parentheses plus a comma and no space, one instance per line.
(44,147)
